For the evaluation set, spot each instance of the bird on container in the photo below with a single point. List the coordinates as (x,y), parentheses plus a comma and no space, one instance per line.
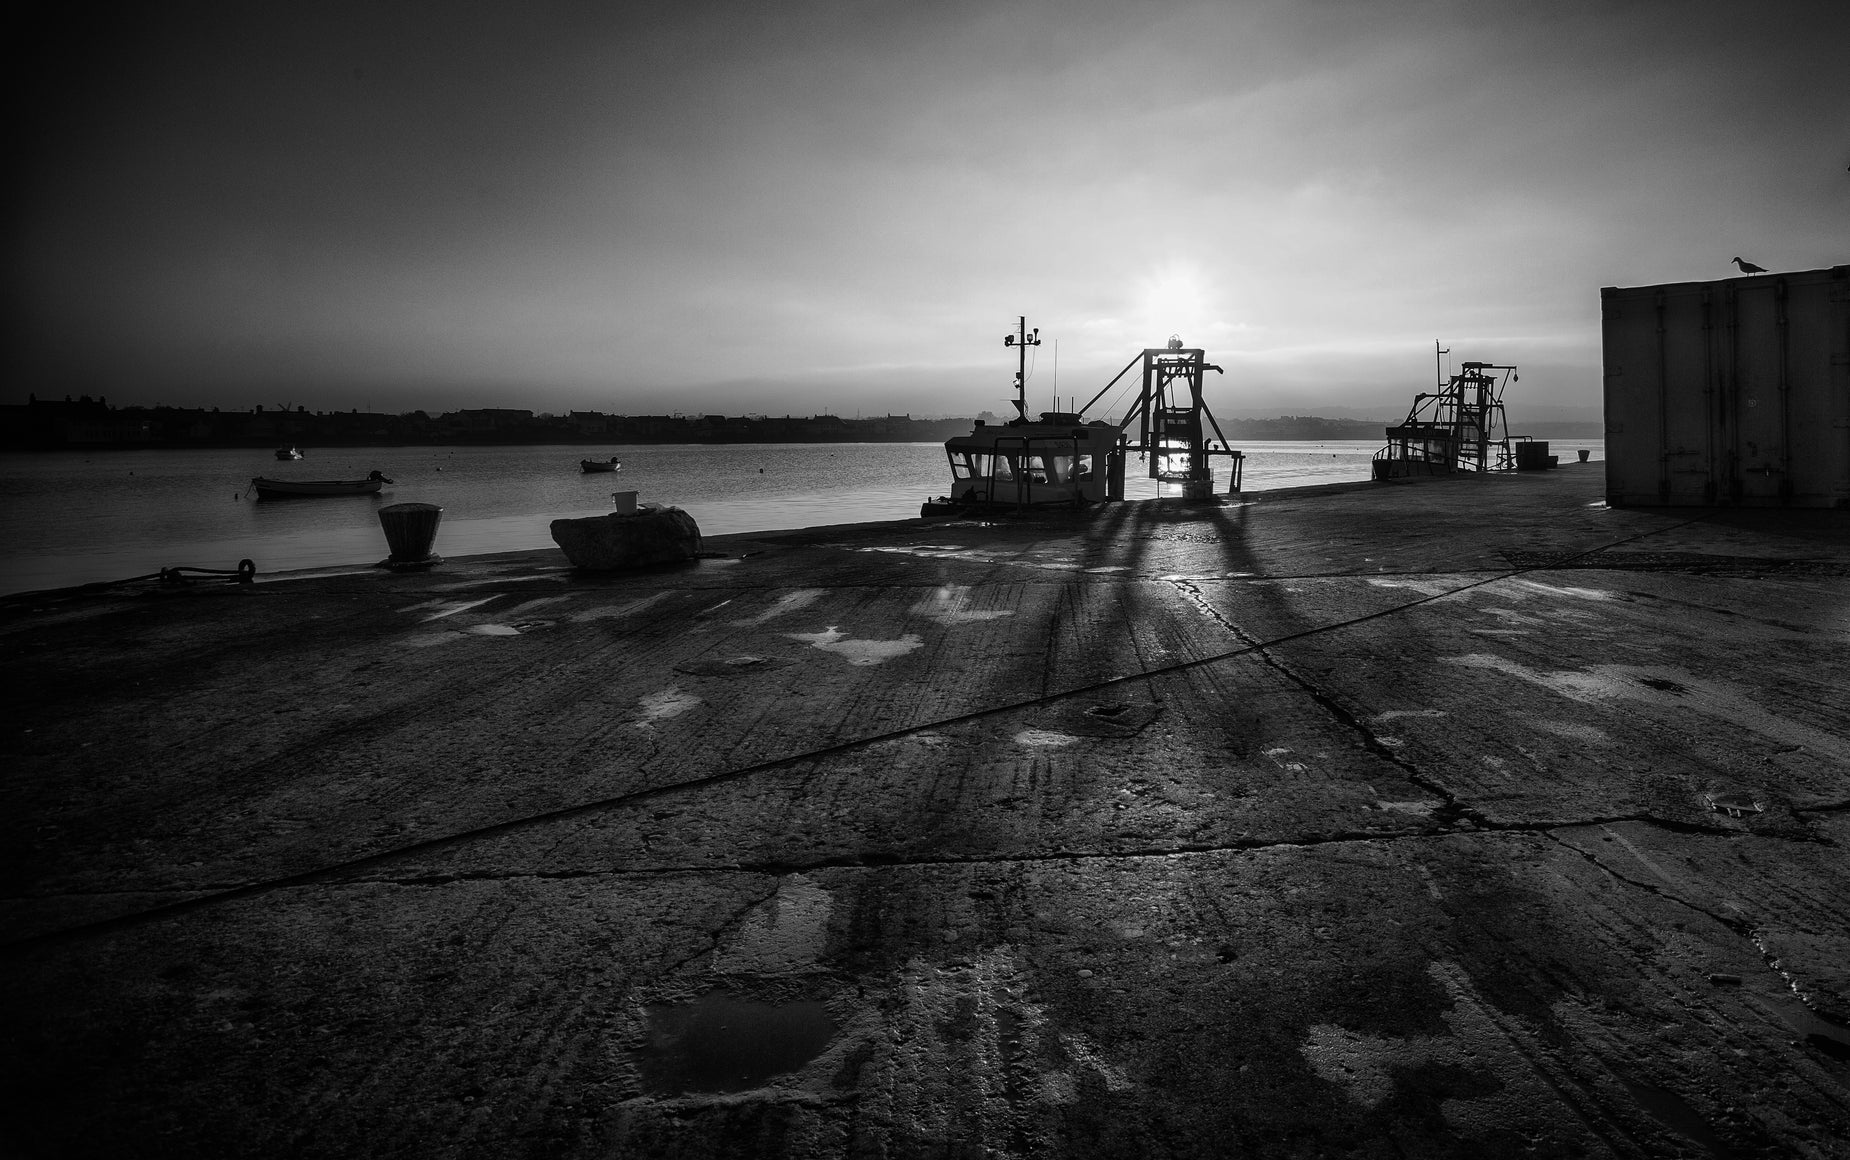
(1749,267)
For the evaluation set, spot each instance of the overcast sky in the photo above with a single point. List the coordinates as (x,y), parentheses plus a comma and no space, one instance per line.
(801,206)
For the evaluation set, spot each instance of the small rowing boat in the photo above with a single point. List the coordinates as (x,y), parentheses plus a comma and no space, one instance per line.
(294,488)
(590,465)
(288,453)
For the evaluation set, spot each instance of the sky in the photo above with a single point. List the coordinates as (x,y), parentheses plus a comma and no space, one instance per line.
(841,207)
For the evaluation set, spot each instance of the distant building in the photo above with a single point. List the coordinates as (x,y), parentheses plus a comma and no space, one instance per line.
(479,421)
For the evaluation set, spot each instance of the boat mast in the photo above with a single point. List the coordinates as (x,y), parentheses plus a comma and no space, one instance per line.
(1022,339)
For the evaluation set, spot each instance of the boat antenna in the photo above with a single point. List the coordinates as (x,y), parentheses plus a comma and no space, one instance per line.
(1022,339)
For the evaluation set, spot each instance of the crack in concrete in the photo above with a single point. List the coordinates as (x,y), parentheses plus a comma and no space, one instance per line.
(1823,808)
(720,930)
(876,861)
(1740,927)
(1775,965)
(1449,814)
(781,868)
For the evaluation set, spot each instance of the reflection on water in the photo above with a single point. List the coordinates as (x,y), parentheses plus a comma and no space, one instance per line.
(76,517)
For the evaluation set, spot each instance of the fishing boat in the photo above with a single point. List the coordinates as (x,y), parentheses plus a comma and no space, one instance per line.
(588,466)
(1064,458)
(288,453)
(295,488)
(1459,428)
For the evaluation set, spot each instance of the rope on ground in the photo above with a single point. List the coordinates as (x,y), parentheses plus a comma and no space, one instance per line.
(171,577)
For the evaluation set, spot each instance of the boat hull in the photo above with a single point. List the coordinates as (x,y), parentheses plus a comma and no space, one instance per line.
(305,488)
(591,466)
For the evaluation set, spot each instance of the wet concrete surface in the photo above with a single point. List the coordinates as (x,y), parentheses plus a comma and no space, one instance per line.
(1448,818)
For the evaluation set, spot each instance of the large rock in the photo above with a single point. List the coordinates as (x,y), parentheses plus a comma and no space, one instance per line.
(614,542)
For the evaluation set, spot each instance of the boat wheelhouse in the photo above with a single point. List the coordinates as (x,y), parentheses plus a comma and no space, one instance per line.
(1060,459)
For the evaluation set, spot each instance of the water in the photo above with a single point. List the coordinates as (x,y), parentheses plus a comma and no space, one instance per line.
(73,517)
(718,1043)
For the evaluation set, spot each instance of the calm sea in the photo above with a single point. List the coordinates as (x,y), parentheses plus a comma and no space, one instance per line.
(74,517)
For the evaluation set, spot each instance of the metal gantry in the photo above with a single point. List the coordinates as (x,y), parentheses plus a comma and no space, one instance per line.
(1172,419)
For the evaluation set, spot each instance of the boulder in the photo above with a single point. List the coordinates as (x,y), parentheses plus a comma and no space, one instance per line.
(655,535)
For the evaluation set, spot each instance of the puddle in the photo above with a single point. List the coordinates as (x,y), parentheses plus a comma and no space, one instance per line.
(1674,1112)
(1820,1033)
(1815,1031)
(719,1043)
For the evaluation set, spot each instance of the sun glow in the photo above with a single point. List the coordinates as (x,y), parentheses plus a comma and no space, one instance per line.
(1178,298)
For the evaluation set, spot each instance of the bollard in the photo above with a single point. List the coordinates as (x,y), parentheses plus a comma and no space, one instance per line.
(410,529)
(1583,454)
(624,503)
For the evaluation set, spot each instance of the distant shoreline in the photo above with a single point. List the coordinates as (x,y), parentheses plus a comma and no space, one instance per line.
(1547,432)
(88,424)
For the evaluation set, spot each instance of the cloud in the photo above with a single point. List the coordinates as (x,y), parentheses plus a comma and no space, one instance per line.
(625,205)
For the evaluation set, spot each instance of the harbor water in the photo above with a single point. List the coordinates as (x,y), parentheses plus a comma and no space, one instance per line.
(76,517)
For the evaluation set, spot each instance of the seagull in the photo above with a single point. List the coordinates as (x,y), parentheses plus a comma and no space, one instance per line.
(1749,267)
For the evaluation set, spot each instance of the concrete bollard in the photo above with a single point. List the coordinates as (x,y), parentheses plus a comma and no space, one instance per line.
(410,530)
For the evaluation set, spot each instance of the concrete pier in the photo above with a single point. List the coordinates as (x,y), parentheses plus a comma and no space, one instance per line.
(1448,817)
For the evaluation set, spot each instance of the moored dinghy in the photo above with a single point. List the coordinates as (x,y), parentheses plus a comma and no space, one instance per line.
(298,488)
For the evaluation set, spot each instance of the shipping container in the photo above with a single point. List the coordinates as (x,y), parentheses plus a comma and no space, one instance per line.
(1733,392)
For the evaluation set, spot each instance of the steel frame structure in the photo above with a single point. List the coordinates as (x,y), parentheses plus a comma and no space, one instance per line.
(1172,419)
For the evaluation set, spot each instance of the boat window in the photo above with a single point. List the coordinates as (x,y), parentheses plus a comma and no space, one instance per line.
(1082,466)
(1059,468)
(960,465)
(1004,468)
